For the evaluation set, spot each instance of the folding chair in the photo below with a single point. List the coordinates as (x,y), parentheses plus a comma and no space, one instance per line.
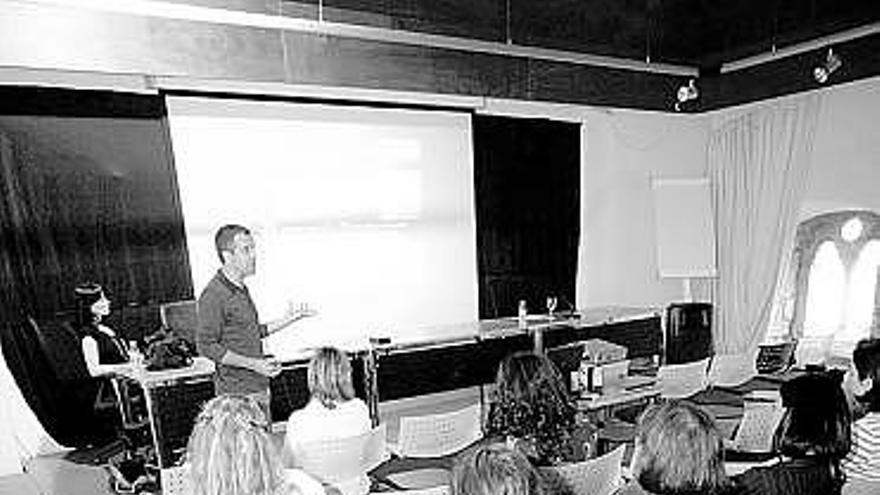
(438,435)
(678,381)
(732,370)
(344,462)
(599,476)
(434,436)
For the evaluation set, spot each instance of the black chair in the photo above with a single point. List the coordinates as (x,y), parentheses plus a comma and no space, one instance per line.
(567,359)
(108,409)
(181,317)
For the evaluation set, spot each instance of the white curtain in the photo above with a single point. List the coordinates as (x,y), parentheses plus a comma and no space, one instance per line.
(22,437)
(759,161)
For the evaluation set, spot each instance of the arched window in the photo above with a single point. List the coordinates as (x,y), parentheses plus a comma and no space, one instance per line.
(862,293)
(836,260)
(825,292)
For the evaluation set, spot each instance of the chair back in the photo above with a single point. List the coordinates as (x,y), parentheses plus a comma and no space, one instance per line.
(567,359)
(181,317)
(683,380)
(438,435)
(344,462)
(61,346)
(731,370)
(813,350)
(175,480)
(856,486)
(776,358)
(599,476)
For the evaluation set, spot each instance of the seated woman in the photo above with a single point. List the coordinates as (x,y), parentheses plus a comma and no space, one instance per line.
(230,453)
(861,382)
(102,349)
(811,439)
(104,354)
(332,411)
(532,406)
(678,450)
(494,469)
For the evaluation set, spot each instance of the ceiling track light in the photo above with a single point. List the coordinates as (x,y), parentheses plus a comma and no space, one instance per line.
(688,92)
(832,62)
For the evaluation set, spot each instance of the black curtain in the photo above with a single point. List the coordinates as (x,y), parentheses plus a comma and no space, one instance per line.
(88,193)
(527,183)
(48,367)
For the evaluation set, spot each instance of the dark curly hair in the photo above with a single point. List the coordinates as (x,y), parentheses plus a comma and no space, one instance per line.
(532,404)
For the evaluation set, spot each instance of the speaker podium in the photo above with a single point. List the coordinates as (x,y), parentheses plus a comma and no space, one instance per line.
(688,332)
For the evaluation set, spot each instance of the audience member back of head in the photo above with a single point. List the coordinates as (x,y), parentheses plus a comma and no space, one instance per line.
(811,439)
(863,461)
(533,407)
(495,469)
(678,451)
(230,453)
(333,411)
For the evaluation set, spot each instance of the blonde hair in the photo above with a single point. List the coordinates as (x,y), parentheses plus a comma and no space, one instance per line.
(329,377)
(495,469)
(679,449)
(230,452)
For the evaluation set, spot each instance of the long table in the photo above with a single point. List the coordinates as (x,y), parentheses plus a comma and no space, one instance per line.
(449,358)
(467,355)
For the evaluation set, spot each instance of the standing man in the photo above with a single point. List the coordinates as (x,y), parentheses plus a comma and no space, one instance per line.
(229,331)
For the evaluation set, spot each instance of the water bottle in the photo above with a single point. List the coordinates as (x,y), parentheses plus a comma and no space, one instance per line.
(134,354)
(586,373)
(597,379)
(522,312)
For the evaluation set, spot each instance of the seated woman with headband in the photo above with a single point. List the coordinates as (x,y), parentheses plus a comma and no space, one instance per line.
(102,349)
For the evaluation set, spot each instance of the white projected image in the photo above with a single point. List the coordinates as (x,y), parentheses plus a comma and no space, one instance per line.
(366,214)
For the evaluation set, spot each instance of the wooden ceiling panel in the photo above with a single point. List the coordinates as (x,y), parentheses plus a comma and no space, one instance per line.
(477,19)
(707,33)
(603,27)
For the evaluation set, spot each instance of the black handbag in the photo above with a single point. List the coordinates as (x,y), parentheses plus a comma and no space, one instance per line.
(165,351)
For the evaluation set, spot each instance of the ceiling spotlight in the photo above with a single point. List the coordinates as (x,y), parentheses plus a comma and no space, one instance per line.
(831,64)
(686,93)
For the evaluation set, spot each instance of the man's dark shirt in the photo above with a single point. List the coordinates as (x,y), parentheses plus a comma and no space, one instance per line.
(228,322)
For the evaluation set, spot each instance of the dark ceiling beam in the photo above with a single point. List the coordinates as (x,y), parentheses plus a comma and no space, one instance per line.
(793,74)
(818,43)
(266,42)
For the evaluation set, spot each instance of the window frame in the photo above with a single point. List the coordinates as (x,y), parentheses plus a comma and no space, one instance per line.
(811,234)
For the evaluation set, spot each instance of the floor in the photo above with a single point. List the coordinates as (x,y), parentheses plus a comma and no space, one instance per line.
(55,475)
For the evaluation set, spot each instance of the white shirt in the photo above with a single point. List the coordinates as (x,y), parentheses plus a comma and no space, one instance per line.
(315,422)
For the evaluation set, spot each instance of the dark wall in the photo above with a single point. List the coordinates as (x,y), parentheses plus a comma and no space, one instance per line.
(90,195)
(527,193)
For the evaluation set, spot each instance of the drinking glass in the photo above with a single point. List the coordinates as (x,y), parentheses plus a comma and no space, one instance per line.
(552,301)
